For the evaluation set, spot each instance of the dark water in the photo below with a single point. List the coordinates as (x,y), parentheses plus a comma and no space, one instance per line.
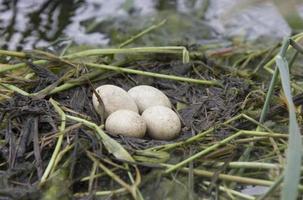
(27,24)
(33,23)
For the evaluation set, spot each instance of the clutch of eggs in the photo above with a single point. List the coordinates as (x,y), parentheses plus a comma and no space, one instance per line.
(122,110)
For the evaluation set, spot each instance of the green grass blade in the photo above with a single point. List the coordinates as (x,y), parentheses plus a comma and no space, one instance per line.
(293,157)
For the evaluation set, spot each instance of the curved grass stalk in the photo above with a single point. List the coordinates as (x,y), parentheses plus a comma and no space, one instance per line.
(167,49)
(59,142)
(135,182)
(96,52)
(130,188)
(269,64)
(61,154)
(87,178)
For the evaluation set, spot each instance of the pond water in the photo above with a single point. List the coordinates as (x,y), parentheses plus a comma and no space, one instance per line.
(27,24)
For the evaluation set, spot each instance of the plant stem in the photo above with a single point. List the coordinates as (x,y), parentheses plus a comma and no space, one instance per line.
(13,53)
(233,192)
(238,179)
(296,38)
(272,188)
(20,65)
(252,165)
(15,89)
(268,97)
(149,29)
(151,74)
(201,135)
(203,152)
(95,52)
(260,133)
(166,49)
(130,189)
(59,141)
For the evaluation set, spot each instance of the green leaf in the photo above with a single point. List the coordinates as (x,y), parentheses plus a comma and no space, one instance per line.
(114,147)
(110,144)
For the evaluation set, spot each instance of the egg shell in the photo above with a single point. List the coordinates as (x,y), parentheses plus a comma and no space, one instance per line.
(162,123)
(114,98)
(147,96)
(127,123)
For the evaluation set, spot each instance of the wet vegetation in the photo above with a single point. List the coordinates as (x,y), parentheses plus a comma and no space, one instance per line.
(240,104)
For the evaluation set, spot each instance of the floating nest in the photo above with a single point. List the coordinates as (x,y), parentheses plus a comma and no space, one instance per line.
(53,145)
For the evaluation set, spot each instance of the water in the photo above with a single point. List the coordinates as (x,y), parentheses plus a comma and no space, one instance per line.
(252,21)
(32,23)
(27,24)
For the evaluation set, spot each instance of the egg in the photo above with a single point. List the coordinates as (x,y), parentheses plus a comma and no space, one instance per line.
(127,123)
(162,123)
(147,96)
(114,98)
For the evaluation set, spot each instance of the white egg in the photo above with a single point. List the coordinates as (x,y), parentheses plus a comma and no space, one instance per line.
(147,96)
(127,123)
(114,98)
(162,123)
